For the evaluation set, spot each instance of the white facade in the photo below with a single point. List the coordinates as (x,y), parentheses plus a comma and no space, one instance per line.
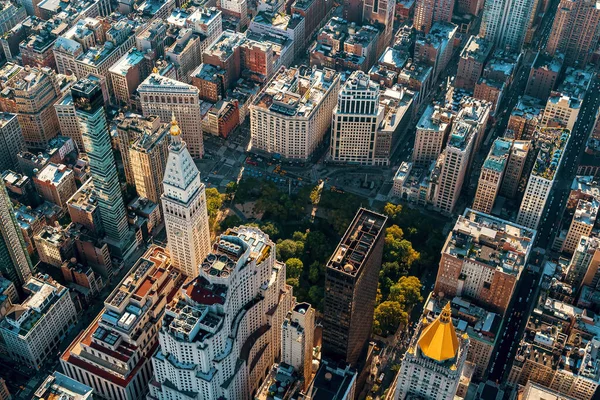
(166,97)
(561,109)
(184,208)
(297,336)
(32,330)
(293,112)
(355,122)
(222,333)
(505,22)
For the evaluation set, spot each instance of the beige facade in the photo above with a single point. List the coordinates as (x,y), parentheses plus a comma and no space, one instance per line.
(491,176)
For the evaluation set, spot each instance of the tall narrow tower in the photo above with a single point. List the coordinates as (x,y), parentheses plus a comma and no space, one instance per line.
(14,260)
(184,207)
(89,107)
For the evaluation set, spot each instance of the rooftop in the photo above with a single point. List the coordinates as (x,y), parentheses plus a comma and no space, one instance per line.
(498,155)
(224,46)
(129,60)
(548,62)
(488,240)
(332,381)
(477,48)
(296,92)
(435,118)
(55,174)
(357,243)
(60,387)
(55,236)
(282,381)
(552,143)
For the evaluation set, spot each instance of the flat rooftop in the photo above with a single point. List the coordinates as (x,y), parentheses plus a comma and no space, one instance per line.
(129,60)
(552,143)
(477,48)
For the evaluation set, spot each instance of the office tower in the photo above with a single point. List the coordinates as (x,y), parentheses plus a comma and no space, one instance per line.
(35,92)
(457,157)
(89,105)
(435,360)
(351,287)
(291,114)
(225,325)
(163,97)
(33,329)
(504,23)
(112,355)
(355,121)
(472,60)
(492,173)
(482,260)
(551,143)
(184,207)
(11,141)
(543,75)
(582,224)
(61,386)
(575,31)
(297,336)
(55,183)
(564,103)
(514,168)
(432,129)
(15,263)
(427,12)
(148,158)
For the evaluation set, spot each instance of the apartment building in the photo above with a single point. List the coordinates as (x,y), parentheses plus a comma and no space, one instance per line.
(297,340)
(504,23)
(472,60)
(515,165)
(491,176)
(427,12)
(482,260)
(127,74)
(543,76)
(564,104)
(11,141)
(55,183)
(432,130)
(293,111)
(582,224)
(33,330)
(54,246)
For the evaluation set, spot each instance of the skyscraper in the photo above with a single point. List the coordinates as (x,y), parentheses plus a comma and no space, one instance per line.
(297,335)
(89,105)
(184,207)
(164,97)
(11,141)
(351,287)
(504,23)
(435,360)
(222,332)
(355,121)
(14,259)
(575,31)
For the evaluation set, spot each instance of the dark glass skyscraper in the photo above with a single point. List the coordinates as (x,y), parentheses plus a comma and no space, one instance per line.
(351,280)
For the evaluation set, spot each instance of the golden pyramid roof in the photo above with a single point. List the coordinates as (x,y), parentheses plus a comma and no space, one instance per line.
(438,340)
(175,131)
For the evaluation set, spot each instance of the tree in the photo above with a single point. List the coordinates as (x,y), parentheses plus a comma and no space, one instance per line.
(397,248)
(214,201)
(407,291)
(314,272)
(230,221)
(270,229)
(293,282)
(315,294)
(315,194)
(392,210)
(230,190)
(388,316)
(294,267)
(289,248)
(299,236)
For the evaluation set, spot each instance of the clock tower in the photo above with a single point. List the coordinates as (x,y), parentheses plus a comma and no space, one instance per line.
(184,207)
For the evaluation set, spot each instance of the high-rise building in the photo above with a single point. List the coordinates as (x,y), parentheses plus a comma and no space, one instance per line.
(67,120)
(551,143)
(504,23)
(524,118)
(35,92)
(54,246)
(184,207)
(435,48)
(564,103)
(351,287)
(89,105)
(435,360)
(11,141)
(582,224)
(148,158)
(291,114)
(482,260)
(381,12)
(492,173)
(543,76)
(584,266)
(429,11)
(514,168)
(355,122)
(164,97)
(112,355)
(297,336)
(575,31)
(432,129)
(15,263)
(222,332)
(55,183)
(472,60)
(33,329)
